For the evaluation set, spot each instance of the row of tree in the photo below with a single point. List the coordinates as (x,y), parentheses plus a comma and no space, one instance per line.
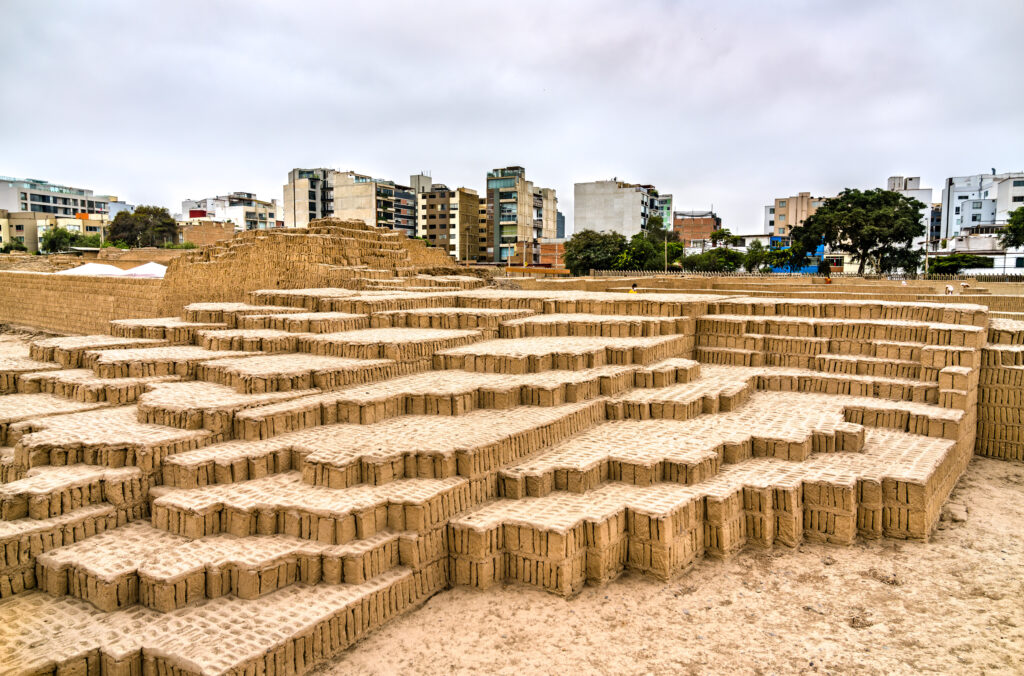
(875,227)
(146,226)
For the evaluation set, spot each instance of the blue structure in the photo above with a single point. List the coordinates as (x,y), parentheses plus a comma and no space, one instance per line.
(782,243)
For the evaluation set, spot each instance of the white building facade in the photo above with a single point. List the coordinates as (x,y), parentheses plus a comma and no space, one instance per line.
(611,206)
(980,199)
(242,209)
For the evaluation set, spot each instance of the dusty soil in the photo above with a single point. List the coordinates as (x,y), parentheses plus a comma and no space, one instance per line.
(952,605)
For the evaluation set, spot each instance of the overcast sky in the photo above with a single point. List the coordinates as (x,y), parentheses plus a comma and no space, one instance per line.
(723,103)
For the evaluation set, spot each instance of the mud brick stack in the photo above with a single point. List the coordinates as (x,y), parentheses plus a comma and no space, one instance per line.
(1001,392)
(317,438)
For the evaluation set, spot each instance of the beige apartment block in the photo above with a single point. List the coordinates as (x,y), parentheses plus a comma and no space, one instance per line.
(450,219)
(321,193)
(28,227)
(793,211)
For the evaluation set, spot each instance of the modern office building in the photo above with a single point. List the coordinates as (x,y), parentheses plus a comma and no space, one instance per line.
(560,225)
(519,215)
(43,197)
(450,219)
(319,193)
(981,199)
(242,209)
(695,227)
(611,206)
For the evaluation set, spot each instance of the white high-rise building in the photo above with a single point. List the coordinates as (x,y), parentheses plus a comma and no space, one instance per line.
(981,199)
(910,187)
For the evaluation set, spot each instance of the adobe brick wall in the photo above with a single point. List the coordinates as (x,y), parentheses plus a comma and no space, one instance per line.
(73,304)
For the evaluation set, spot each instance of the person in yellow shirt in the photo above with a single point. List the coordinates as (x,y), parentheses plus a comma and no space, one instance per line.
(633,290)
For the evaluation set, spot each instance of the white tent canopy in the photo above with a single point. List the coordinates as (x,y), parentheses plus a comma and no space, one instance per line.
(94,270)
(150,269)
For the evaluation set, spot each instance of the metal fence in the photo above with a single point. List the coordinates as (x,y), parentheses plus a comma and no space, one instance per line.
(835,275)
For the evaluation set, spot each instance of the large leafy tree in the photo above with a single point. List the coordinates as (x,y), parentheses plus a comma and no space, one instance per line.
(641,254)
(55,239)
(756,258)
(1013,235)
(954,263)
(866,224)
(724,237)
(713,260)
(588,250)
(146,226)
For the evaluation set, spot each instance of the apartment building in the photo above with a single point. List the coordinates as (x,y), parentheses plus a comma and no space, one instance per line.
(27,227)
(319,193)
(242,209)
(612,206)
(980,199)
(789,212)
(518,216)
(695,227)
(43,197)
(450,219)
(661,205)
(910,187)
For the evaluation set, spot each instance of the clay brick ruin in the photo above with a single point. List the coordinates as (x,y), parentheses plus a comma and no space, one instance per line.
(326,437)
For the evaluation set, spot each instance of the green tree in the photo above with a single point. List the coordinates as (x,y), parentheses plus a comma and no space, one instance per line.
(713,260)
(146,226)
(1013,235)
(658,233)
(13,245)
(87,240)
(756,257)
(954,263)
(55,239)
(641,254)
(589,250)
(675,251)
(865,224)
(780,258)
(725,237)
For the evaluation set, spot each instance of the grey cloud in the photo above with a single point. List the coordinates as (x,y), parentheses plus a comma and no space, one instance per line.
(730,103)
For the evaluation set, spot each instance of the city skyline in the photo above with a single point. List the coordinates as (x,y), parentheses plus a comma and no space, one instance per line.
(728,106)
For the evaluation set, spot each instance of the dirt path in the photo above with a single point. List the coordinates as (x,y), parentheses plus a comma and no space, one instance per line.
(953,605)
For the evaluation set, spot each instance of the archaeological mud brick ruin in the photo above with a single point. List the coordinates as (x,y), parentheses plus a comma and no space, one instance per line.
(296,436)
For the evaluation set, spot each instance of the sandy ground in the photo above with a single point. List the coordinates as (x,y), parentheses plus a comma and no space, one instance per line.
(952,605)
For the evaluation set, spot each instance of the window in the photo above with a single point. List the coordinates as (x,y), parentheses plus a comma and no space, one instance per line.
(1020,263)
(975,205)
(957,210)
(1018,198)
(975,218)
(312,194)
(961,197)
(1018,184)
(782,217)
(24,196)
(24,206)
(782,203)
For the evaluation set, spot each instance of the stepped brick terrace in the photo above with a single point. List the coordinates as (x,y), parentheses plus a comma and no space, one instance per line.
(255,482)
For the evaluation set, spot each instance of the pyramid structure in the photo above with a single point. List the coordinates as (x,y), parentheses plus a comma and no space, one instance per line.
(254,485)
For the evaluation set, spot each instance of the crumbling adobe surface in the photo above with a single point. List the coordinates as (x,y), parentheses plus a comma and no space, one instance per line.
(254,485)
